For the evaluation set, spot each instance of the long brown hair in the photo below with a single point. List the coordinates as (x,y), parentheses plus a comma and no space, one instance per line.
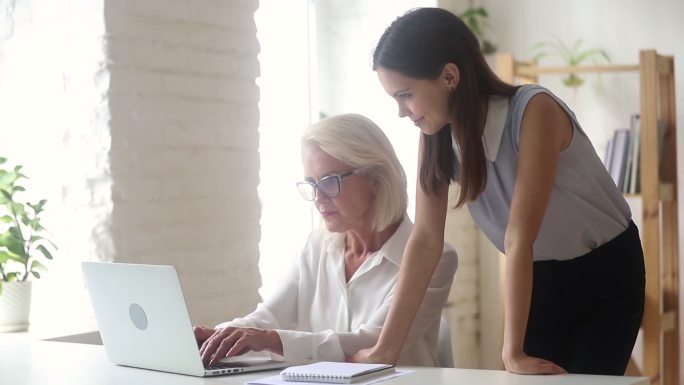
(418,44)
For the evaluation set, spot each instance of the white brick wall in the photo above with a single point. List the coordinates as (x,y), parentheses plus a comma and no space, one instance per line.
(184,151)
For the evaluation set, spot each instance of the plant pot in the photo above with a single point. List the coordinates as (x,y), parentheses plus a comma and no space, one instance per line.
(15,304)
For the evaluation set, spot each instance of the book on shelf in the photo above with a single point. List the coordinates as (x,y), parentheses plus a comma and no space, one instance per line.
(623,155)
(608,157)
(618,161)
(634,124)
(335,372)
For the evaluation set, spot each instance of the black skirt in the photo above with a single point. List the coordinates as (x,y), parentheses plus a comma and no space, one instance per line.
(586,312)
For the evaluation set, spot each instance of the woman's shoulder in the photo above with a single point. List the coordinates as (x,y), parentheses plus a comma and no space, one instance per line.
(532,97)
(526,92)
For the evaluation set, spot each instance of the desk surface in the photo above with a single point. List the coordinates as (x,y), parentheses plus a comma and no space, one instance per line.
(44,362)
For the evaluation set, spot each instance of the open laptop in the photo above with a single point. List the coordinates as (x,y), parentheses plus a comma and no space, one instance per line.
(144,323)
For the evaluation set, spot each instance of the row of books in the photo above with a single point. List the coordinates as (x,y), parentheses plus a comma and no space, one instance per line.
(622,155)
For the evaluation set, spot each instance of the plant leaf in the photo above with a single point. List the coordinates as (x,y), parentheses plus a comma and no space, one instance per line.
(590,53)
(4,257)
(35,274)
(18,208)
(14,257)
(16,233)
(6,195)
(5,238)
(8,178)
(45,251)
(475,19)
(14,243)
(38,207)
(474,12)
(37,266)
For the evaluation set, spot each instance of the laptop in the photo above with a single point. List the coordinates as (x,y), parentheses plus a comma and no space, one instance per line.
(144,323)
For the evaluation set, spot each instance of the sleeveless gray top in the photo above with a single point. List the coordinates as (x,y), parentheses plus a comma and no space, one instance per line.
(585,209)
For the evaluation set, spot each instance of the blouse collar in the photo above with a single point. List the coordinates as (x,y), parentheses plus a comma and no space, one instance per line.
(497,112)
(494,127)
(392,249)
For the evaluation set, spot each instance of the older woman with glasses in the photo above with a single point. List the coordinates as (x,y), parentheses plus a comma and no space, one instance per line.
(334,300)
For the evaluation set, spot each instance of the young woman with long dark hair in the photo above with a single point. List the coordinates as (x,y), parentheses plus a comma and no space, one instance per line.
(574,293)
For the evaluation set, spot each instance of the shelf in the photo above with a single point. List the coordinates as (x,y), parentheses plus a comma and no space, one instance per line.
(667,193)
(528,70)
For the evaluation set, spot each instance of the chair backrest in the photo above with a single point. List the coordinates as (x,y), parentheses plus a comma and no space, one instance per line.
(445,355)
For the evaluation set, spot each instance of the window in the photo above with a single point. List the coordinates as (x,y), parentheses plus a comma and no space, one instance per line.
(286,109)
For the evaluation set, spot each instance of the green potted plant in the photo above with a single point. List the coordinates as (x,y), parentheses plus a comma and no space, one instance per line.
(23,247)
(572,56)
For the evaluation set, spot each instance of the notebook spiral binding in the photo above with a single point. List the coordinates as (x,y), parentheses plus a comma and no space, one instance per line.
(311,377)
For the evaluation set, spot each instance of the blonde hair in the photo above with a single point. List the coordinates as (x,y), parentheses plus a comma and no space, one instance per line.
(360,143)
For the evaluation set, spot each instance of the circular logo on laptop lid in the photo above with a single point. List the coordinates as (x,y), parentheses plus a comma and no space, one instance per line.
(138,316)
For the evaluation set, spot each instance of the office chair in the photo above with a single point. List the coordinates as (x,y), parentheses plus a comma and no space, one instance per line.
(445,355)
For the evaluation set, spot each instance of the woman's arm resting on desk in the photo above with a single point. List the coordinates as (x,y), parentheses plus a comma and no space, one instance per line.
(428,314)
(545,131)
(422,253)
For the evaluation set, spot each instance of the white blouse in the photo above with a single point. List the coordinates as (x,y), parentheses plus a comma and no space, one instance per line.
(321,317)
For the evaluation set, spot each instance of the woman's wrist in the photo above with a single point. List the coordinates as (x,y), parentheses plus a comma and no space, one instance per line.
(386,353)
(509,352)
(276,344)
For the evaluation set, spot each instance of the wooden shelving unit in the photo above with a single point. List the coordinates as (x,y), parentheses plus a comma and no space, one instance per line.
(659,229)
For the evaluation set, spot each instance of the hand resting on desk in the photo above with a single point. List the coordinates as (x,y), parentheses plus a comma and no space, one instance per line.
(216,344)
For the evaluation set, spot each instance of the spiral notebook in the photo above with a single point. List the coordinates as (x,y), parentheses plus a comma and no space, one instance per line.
(335,372)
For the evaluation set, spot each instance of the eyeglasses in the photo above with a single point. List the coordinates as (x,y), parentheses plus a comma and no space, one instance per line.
(328,185)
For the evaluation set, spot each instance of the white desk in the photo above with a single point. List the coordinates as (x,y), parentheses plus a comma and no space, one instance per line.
(45,363)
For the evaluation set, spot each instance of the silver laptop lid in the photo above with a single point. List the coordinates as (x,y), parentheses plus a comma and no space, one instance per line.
(142,316)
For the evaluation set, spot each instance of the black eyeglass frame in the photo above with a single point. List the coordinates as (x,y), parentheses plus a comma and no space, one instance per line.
(316,189)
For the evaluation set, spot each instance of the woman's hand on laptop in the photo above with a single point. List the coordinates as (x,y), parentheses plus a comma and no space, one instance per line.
(202,334)
(231,341)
